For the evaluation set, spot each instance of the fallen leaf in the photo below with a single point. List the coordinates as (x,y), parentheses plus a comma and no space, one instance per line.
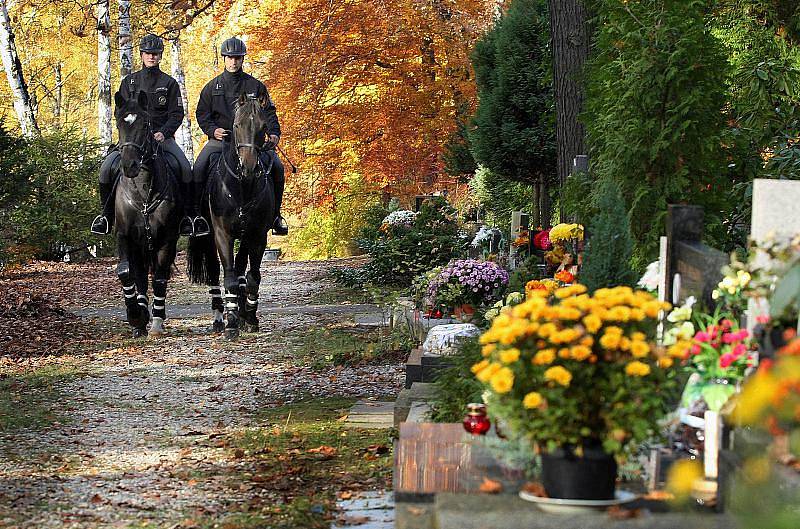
(535,488)
(96,499)
(490,486)
(619,513)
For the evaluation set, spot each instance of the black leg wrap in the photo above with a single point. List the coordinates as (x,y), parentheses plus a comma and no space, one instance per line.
(160,298)
(216,298)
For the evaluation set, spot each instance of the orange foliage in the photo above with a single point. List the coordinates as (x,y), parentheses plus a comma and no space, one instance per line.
(367,89)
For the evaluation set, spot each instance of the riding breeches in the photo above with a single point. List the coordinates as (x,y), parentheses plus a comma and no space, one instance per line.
(169,145)
(200,169)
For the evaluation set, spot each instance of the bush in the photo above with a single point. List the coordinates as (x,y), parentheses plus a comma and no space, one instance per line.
(607,258)
(456,386)
(48,197)
(400,254)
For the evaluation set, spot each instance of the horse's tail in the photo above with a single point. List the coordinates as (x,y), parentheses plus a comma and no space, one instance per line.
(202,260)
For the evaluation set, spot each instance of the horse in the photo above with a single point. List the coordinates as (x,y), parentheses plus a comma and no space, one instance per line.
(147,207)
(240,203)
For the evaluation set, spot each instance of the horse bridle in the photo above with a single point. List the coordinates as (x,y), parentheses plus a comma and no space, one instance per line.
(141,147)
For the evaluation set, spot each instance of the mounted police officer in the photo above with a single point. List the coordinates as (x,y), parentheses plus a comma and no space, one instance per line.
(165,106)
(215,112)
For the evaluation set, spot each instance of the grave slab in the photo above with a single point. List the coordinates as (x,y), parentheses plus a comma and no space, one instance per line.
(419,412)
(371,414)
(369,510)
(418,392)
(470,511)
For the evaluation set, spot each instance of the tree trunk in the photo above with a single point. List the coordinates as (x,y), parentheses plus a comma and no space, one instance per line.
(13,67)
(58,97)
(124,38)
(184,133)
(569,26)
(104,73)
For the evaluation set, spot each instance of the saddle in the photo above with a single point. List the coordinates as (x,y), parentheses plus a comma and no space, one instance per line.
(170,161)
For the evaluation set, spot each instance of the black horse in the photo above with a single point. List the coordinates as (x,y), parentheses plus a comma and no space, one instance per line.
(241,206)
(147,213)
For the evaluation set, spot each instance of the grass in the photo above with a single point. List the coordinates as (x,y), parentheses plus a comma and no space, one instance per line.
(33,399)
(299,460)
(352,346)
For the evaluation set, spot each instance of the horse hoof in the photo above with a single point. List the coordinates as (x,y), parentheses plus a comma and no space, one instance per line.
(139,333)
(218,326)
(231,334)
(155,333)
(251,327)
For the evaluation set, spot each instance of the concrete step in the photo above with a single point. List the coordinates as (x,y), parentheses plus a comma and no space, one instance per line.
(371,414)
(418,392)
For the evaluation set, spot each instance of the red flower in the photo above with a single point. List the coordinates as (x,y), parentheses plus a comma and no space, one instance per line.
(726,360)
(542,240)
(565,276)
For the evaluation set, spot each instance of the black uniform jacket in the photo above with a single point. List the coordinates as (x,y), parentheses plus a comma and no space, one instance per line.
(165,104)
(217,100)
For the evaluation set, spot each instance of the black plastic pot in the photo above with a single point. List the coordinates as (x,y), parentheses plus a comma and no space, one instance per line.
(567,476)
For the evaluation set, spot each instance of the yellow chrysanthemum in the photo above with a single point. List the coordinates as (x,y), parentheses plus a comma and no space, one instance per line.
(588,341)
(639,336)
(563,353)
(480,366)
(533,400)
(580,352)
(559,375)
(547,329)
(488,349)
(544,357)
(592,323)
(679,348)
(682,476)
(502,381)
(665,362)
(610,340)
(486,373)
(637,369)
(639,349)
(509,356)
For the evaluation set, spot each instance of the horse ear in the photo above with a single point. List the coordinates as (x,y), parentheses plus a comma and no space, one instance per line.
(141,98)
(119,101)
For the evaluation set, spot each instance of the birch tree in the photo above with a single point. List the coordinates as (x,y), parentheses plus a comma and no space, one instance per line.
(184,133)
(16,80)
(104,72)
(124,38)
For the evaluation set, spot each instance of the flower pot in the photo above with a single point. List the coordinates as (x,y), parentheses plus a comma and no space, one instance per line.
(567,476)
(464,312)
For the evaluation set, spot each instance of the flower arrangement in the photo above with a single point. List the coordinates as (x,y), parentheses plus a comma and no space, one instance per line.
(565,276)
(566,232)
(547,285)
(400,218)
(541,241)
(483,236)
(649,281)
(523,239)
(467,281)
(719,354)
(548,359)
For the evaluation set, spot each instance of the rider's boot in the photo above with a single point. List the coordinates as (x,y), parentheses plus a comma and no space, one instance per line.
(199,224)
(279,227)
(102,224)
(186,226)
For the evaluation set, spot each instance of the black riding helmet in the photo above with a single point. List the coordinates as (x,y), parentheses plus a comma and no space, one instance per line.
(233,47)
(151,44)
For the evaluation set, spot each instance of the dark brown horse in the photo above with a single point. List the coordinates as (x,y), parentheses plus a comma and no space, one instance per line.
(146,212)
(241,206)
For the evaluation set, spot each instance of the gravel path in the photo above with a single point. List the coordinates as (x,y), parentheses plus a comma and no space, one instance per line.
(148,415)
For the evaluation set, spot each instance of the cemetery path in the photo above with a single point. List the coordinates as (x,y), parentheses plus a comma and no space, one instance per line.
(140,432)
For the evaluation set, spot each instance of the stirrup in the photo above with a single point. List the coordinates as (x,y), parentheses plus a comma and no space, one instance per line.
(100,225)
(200,227)
(186,227)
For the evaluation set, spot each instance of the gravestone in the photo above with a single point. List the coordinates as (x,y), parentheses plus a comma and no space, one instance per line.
(774,215)
(446,340)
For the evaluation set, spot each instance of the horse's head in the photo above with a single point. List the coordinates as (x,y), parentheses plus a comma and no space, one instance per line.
(249,131)
(133,124)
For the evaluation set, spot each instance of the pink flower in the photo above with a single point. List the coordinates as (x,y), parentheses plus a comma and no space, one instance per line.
(730,337)
(743,334)
(764,318)
(726,360)
(739,350)
(702,337)
(695,350)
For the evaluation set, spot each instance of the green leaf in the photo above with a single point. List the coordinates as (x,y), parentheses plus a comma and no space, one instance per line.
(762,74)
(716,395)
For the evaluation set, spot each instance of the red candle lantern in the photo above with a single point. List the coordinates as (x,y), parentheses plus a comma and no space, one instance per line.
(476,422)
